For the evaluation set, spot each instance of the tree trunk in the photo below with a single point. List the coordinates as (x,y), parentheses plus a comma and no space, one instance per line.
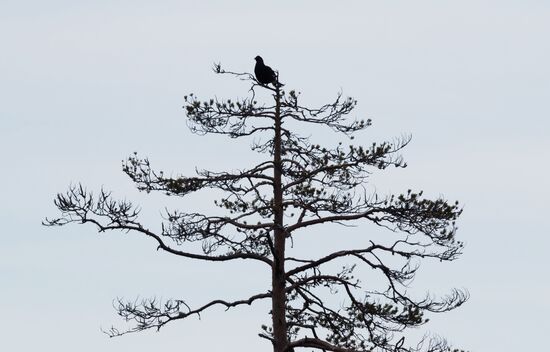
(280,340)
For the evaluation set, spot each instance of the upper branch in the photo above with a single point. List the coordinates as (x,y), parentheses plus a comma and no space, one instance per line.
(333,115)
(226,117)
(339,168)
(146,179)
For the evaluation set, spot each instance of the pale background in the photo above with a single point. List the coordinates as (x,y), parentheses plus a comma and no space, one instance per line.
(85,83)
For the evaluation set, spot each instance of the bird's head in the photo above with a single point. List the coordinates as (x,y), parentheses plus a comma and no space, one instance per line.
(259,59)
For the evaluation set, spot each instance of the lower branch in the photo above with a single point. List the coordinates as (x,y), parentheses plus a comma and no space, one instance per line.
(150,315)
(318,344)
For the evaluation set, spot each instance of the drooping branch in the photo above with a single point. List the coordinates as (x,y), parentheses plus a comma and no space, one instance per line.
(150,314)
(318,344)
(80,206)
(232,234)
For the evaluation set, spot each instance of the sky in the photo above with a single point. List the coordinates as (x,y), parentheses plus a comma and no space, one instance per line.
(83,84)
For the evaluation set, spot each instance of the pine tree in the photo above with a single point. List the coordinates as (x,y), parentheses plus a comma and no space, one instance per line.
(300,185)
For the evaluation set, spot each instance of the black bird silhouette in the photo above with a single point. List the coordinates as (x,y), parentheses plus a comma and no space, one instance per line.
(264,74)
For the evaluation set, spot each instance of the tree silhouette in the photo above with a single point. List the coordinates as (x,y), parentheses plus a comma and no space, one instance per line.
(300,185)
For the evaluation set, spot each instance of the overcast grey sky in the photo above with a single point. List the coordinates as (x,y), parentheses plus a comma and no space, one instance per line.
(85,83)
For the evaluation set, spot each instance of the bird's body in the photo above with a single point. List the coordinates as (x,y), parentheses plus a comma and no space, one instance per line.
(264,74)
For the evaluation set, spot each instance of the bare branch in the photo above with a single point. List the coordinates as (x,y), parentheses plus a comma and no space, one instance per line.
(151,314)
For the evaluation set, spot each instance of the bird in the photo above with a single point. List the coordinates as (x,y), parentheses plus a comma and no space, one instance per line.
(265,74)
